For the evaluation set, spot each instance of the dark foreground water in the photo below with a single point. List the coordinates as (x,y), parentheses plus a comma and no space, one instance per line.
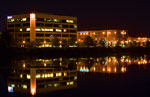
(124,76)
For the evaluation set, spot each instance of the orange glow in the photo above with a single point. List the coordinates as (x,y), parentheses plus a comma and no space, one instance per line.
(103,69)
(32,15)
(23,41)
(122,42)
(32,27)
(33,92)
(44,42)
(103,33)
(44,64)
(24,65)
(109,69)
(109,33)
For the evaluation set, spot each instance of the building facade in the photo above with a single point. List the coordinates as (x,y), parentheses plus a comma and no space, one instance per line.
(41,28)
(138,41)
(111,37)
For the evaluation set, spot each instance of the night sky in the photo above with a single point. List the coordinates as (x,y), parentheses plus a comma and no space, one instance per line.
(132,15)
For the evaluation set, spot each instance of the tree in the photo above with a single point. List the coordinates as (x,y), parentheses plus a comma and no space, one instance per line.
(64,43)
(147,44)
(102,43)
(134,43)
(88,41)
(55,42)
(72,41)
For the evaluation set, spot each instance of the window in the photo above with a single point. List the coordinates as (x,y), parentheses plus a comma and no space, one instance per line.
(48,35)
(73,31)
(28,29)
(24,19)
(40,24)
(18,25)
(65,35)
(65,26)
(38,29)
(55,20)
(48,25)
(26,25)
(39,35)
(11,25)
(69,21)
(21,30)
(58,74)
(58,30)
(11,20)
(55,25)
(47,30)
(40,19)
(65,30)
(48,20)
(26,35)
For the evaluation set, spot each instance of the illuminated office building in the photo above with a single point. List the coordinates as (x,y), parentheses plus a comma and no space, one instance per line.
(111,37)
(41,28)
(39,76)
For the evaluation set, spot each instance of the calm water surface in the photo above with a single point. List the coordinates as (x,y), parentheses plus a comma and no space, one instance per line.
(110,76)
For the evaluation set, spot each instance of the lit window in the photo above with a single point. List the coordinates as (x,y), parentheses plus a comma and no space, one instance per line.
(58,74)
(55,20)
(9,17)
(21,30)
(75,78)
(69,21)
(24,19)
(28,76)
(58,30)
(65,30)
(10,89)
(49,30)
(38,29)
(21,75)
(65,73)
(38,76)
(46,75)
(11,20)
(69,83)
(13,85)
(75,26)
(28,29)
(56,85)
(24,86)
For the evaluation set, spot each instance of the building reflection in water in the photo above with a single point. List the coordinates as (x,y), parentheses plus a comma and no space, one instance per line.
(42,75)
(110,64)
(45,75)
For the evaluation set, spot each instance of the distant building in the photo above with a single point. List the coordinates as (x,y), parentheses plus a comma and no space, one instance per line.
(112,37)
(138,41)
(41,28)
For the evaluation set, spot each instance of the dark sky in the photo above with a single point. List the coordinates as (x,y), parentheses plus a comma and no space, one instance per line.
(132,15)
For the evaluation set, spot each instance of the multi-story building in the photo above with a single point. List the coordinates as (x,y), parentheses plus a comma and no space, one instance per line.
(112,37)
(41,28)
(39,76)
(138,41)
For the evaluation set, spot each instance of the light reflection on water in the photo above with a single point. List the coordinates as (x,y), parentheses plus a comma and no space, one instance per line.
(51,74)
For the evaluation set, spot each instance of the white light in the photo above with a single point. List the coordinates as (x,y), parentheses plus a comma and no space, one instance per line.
(9,17)
(32,15)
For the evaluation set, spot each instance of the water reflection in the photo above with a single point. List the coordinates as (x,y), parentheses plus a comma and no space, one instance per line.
(41,75)
(45,75)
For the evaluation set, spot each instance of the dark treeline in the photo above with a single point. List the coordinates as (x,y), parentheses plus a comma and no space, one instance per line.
(72,52)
